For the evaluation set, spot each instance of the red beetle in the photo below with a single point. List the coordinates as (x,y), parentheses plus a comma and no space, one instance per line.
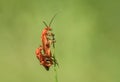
(43,53)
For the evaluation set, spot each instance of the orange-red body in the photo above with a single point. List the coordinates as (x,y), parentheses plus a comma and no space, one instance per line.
(39,54)
(43,53)
(44,60)
(45,41)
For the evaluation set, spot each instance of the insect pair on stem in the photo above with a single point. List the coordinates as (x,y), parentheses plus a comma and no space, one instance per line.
(44,52)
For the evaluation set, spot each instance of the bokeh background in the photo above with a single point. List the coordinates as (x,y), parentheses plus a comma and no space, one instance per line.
(87,34)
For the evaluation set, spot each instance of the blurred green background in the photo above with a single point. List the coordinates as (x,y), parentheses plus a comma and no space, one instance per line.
(87,34)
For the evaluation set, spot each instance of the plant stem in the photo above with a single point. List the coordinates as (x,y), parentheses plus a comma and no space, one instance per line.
(56,78)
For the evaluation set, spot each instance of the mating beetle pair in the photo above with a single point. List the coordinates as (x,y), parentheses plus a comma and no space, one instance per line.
(44,52)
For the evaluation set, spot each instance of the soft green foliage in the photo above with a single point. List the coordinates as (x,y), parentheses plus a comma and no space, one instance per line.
(87,34)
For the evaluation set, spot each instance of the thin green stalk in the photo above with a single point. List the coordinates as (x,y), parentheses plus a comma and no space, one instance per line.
(55,64)
(56,77)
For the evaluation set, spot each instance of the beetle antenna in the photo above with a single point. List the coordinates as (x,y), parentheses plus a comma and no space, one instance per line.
(45,23)
(52,19)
